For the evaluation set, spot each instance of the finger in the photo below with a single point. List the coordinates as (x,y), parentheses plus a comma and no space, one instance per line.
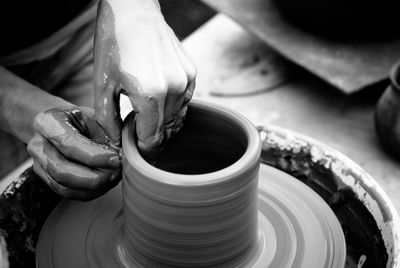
(107,110)
(96,132)
(72,144)
(149,111)
(182,113)
(189,92)
(179,121)
(173,104)
(62,190)
(149,122)
(69,174)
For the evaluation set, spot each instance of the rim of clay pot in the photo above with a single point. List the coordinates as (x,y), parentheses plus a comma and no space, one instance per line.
(395,76)
(241,166)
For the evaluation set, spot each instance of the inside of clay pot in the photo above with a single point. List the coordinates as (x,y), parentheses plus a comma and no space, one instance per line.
(206,143)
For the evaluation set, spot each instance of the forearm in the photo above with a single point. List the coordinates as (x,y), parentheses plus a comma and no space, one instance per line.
(135,5)
(20,102)
(125,14)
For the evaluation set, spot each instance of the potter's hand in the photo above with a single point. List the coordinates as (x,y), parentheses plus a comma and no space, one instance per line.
(71,154)
(137,53)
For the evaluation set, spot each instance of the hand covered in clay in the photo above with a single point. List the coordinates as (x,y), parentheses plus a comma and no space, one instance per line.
(138,54)
(72,154)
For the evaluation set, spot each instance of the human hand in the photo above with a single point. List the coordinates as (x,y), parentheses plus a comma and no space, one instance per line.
(72,154)
(137,53)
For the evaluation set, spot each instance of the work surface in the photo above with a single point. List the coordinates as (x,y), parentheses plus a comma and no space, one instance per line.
(349,65)
(229,58)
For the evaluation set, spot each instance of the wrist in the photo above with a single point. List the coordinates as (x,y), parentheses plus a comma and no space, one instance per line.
(20,103)
(134,10)
(139,5)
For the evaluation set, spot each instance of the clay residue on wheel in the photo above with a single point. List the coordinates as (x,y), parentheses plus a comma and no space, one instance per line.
(326,174)
(24,206)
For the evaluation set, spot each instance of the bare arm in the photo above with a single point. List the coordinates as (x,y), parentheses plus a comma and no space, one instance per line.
(71,153)
(20,102)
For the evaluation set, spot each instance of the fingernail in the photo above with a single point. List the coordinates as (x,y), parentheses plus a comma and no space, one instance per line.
(114,161)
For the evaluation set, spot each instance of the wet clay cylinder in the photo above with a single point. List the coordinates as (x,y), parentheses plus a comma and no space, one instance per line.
(196,204)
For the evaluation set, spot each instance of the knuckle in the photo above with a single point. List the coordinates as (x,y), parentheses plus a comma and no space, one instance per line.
(158,91)
(178,85)
(59,189)
(31,148)
(38,120)
(191,73)
(97,182)
(34,146)
(178,79)
(154,87)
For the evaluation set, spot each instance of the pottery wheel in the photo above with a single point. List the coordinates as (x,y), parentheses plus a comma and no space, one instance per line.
(296,229)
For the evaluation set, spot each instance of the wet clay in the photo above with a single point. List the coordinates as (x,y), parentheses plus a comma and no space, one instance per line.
(231,214)
(314,165)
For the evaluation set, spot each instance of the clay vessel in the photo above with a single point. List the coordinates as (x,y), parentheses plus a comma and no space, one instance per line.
(196,205)
(387,114)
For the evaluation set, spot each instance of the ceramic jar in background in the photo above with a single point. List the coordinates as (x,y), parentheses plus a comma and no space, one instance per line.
(387,114)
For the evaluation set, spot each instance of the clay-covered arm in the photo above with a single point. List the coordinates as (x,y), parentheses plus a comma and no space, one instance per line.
(20,102)
(71,153)
(137,53)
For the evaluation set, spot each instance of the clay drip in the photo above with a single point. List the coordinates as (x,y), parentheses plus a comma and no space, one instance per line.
(182,222)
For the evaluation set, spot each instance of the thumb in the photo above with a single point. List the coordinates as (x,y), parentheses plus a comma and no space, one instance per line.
(149,124)
(107,110)
(147,98)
